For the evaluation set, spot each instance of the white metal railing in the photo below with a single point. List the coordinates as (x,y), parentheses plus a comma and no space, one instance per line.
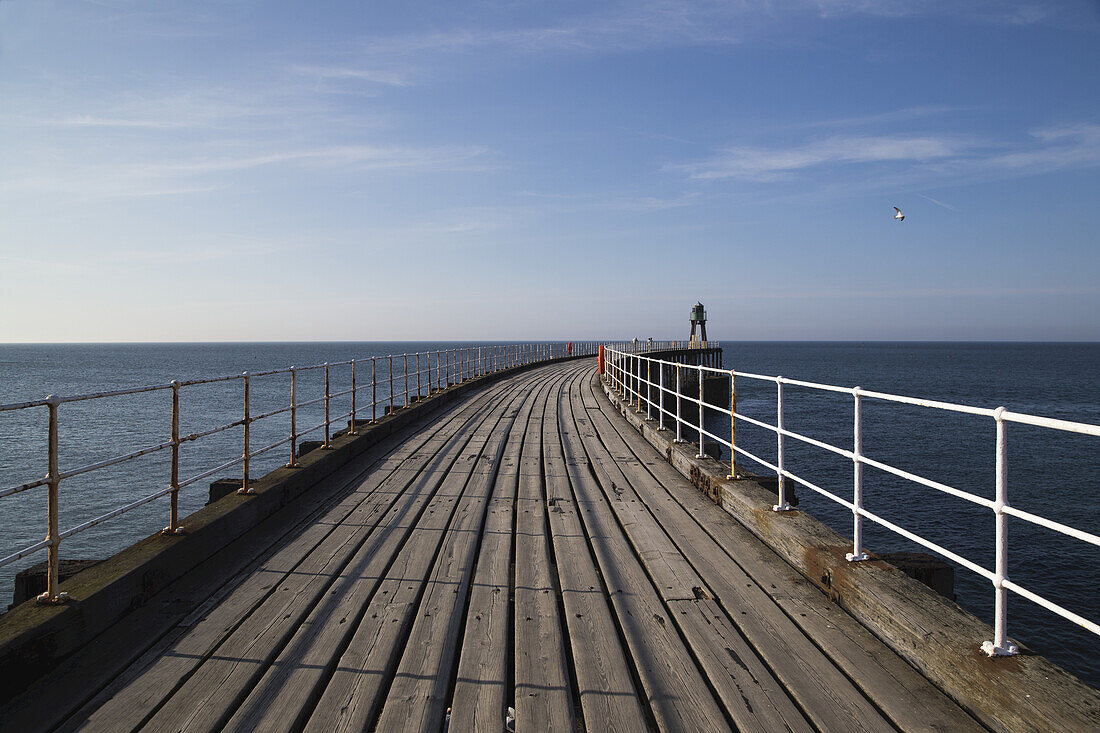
(630,375)
(450,367)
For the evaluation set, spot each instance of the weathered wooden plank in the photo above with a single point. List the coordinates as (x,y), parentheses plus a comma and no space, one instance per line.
(609,699)
(292,573)
(751,695)
(821,690)
(417,699)
(352,696)
(482,684)
(906,697)
(543,697)
(672,575)
(218,685)
(123,654)
(896,689)
(676,692)
(215,689)
(297,676)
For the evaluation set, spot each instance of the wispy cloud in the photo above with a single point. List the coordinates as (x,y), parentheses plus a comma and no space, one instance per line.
(191,106)
(669,23)
(627,27)
(912,158)
(360,156)
(906,114)
(614,202)
(373,76)
(937,202)
(1005,12)
(1066,146)
(167,177)
(893,293)
(770,163)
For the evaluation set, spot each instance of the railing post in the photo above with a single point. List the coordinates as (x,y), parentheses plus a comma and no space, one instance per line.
(53,533)
(293,419)
(406,359)
(418,395)
(374,389)
(351,427)
(328,396)
(1001,646)
(783,505)
(857,554)
(702,453)
(733,426)
(174,478)
(661,397)
(648,389)
(247,454)
(391,382)
(679,401)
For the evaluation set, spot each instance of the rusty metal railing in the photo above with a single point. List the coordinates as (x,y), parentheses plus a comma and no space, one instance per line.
(452,366)
(625,374)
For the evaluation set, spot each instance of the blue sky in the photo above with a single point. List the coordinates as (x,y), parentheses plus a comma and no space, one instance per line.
(217,170)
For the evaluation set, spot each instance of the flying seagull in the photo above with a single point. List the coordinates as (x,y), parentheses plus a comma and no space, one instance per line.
(899,216)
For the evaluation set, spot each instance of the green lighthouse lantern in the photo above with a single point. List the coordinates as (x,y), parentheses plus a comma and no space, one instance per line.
(698,318)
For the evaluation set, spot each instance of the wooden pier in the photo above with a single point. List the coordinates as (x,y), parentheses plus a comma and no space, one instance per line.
(522,548)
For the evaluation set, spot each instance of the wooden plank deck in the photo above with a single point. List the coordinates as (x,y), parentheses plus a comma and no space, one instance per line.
(524,550)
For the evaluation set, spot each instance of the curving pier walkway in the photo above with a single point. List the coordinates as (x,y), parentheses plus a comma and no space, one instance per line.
(522,549)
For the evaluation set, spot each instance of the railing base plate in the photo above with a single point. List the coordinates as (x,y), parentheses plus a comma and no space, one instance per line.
(1009,650)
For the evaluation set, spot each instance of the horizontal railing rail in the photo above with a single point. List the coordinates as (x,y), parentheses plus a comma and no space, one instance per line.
(411,378)
(630,374)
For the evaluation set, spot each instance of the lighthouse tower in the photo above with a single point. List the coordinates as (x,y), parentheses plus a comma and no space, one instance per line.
(698,318)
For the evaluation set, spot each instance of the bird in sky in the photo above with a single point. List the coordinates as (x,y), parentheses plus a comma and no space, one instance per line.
(899,216)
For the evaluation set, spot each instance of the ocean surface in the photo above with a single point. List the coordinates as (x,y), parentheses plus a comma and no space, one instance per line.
(1053,474)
